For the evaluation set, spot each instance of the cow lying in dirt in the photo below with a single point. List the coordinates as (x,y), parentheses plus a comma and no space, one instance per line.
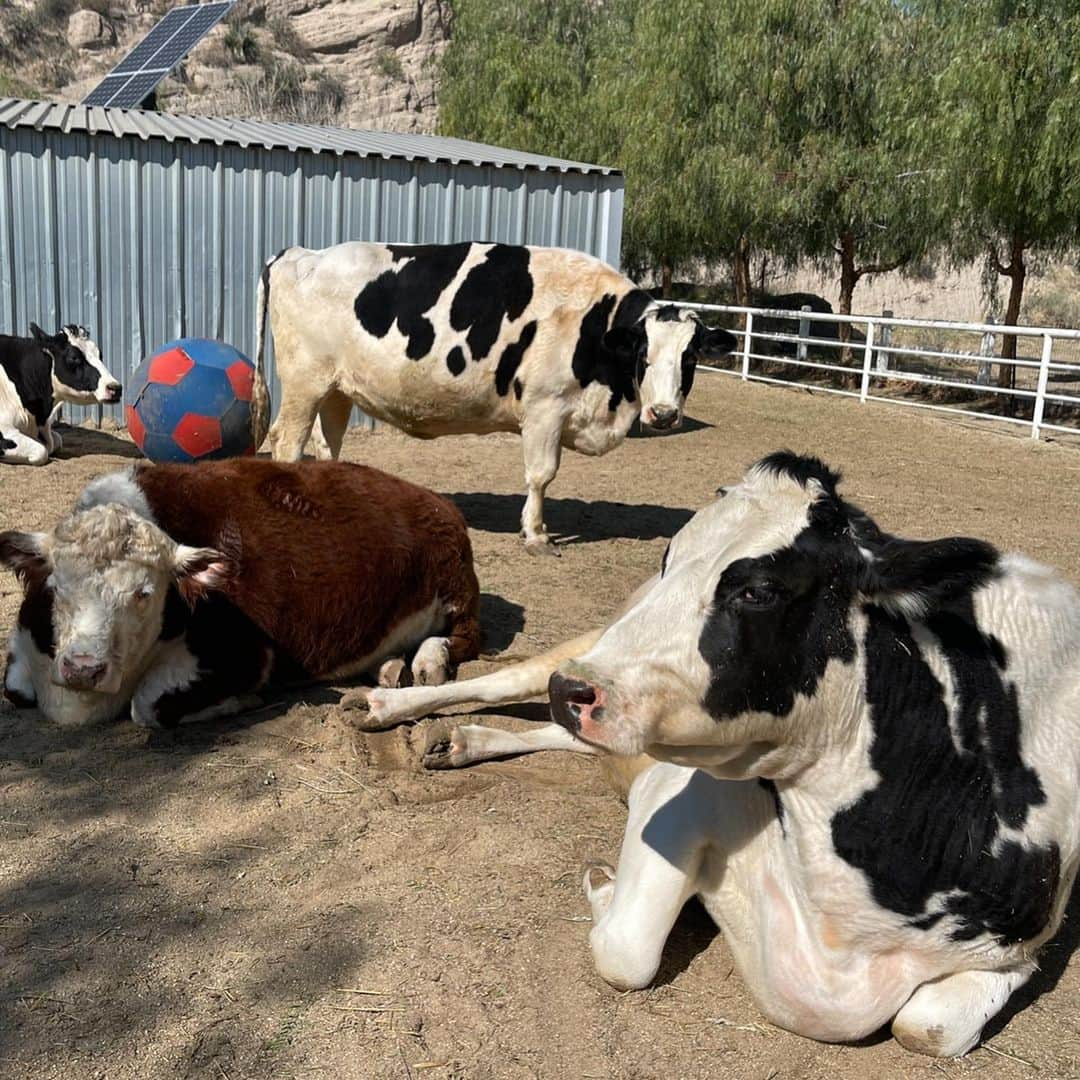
(179,590)
(907,715)
(37,375)
(473,338)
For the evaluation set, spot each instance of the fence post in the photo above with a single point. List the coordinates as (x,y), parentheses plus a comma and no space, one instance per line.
(868,357)
(1040,390)
(804,332)
(881,359)
(983,373)
(746,344)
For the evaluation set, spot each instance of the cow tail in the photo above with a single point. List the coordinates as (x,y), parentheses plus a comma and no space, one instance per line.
(260,391)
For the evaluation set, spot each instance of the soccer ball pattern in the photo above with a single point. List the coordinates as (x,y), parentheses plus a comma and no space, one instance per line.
(191,401)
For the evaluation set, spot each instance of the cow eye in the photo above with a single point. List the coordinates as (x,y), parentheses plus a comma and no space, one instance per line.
(760,595)
(144,593)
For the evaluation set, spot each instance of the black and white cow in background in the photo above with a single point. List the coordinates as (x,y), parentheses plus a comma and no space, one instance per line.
(862,753)
(473,338)
(39,374)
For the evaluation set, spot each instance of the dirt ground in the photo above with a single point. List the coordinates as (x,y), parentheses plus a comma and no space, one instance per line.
(280,896)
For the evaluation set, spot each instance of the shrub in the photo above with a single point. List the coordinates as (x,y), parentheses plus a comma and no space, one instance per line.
(241,43)
(388,63)
(287,38)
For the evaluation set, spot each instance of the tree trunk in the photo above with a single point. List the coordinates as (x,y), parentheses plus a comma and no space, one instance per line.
(1017,273)
(665,279)
(741,271)
(849,278)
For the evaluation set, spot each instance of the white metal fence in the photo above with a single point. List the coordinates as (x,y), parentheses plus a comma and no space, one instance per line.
(944,366)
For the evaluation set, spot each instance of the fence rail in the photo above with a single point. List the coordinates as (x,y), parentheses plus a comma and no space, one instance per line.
(919,363)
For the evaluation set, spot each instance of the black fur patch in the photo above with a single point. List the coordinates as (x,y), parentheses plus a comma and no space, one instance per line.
(406,295)
(595,362)
(29,368)
(69,363)
(931,826)
(232,656)
(6,444)
(771,788)
(500,287)
(774,625)
(511,359)
(519,388)
(35,615)
(800,468)
(455,360)
(669,313)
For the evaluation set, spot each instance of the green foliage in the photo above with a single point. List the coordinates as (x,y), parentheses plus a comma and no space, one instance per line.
(388,63)
(12,86)
(287,38)
(241,43)
(859,134)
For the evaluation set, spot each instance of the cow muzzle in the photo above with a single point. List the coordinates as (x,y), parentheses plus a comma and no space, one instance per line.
(577,706)
(81,671)
(111,393)
(661,418)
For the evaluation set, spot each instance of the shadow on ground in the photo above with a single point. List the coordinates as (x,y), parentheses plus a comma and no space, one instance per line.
(574,521)
(84,442)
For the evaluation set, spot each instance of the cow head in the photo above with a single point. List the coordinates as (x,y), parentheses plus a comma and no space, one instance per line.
(78,375)
(110,572)
(739,658)
(664,347)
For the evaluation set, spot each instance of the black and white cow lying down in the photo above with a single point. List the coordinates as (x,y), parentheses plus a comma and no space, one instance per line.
(176,591)
(473,338)
(863,755)
(39,374)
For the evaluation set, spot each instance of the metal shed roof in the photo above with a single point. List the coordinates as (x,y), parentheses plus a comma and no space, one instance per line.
(55,116)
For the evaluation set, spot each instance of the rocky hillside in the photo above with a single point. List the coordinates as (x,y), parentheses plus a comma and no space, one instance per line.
(358,63)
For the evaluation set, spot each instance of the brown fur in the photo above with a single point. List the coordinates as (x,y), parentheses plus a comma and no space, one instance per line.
(327,557)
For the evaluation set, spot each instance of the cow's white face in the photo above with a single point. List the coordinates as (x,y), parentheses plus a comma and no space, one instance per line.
(673,340)
(109,572)
(79,375)
(725,661)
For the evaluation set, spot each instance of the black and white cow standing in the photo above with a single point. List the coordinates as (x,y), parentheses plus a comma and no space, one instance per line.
(39,374)
(473,338)
(862,753)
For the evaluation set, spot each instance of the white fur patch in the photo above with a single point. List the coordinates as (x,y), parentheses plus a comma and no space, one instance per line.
(119,487)
(174,668)
(19,675)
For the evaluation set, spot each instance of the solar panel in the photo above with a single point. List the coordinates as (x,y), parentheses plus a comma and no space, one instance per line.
(129,83)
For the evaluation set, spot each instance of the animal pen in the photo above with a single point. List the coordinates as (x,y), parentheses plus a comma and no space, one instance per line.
(147,227)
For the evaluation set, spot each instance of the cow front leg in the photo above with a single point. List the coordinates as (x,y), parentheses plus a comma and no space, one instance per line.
(381,709)
(469,743)
(180,686)
(542,448)
(635,907)
(19,449)
(945,1018)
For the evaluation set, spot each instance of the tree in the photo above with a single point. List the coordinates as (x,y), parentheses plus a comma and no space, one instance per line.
(1006,132)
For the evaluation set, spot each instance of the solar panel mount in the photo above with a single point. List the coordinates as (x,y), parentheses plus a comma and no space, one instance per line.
(136,76)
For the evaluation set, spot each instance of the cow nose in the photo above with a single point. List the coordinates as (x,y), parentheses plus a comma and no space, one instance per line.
(82,671)
(568,698)
(662,418)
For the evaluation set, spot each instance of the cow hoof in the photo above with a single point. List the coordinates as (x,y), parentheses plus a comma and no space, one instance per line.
(431,664)
(542,545)
(366,709)
(394,674)
(599,886)
(445,750)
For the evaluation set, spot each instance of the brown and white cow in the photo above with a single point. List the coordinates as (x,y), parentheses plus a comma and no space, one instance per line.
(180,590)
(473,338)
(861,752)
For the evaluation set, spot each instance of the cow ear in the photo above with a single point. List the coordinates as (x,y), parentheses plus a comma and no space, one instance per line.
(201,570)
(713,343)
(37,333)
(916,577)
(625,342)
(27,554)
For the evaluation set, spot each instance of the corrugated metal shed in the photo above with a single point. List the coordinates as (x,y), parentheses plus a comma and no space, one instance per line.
(147,227)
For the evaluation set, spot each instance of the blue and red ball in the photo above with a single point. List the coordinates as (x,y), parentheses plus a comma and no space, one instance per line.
(191,401)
